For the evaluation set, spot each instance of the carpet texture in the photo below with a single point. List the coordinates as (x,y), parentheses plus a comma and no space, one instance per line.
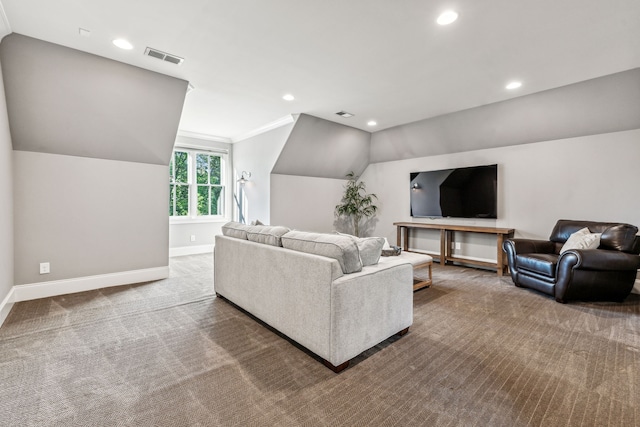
(481,352)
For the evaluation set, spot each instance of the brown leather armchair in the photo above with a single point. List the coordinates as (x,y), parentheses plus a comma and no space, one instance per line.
(606,273)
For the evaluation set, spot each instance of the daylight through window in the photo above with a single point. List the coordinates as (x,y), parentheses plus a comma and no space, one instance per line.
(196,183)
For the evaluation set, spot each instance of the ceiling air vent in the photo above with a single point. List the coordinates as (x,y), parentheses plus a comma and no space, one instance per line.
(344,114)
(155,53)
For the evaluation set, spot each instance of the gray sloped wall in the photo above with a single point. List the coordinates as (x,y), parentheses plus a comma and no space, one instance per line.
(323,149)
(92,139)
(64,101)
(601,105)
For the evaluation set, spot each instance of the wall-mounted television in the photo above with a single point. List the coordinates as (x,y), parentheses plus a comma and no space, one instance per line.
(470,192)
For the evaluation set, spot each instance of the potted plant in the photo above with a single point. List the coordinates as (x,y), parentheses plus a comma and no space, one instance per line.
(356,203)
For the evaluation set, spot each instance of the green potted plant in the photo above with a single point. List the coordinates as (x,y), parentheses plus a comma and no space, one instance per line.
(356,203)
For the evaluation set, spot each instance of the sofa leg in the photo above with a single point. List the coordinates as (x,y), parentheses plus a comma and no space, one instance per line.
(561,301)
(403,332)
(336,369)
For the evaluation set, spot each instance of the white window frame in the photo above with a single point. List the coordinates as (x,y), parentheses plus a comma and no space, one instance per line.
(193,217)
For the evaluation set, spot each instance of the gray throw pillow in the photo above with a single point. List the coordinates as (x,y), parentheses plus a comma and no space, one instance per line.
(267,234)
(370,248)
(235,229)
(341,248)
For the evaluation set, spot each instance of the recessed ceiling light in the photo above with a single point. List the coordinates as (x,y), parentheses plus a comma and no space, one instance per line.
(513,85)
(123,44)
(447,17)
(372,123)
(288,97)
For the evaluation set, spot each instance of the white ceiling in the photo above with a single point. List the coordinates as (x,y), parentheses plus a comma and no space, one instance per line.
(385,60)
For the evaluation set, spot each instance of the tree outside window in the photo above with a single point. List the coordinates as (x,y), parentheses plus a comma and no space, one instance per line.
(196,184)
(179,184)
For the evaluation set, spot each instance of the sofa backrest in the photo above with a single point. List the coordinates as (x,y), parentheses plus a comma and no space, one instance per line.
(615,236)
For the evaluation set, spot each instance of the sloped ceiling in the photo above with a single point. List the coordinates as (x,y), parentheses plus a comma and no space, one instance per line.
(64,101)
(323,149)
(602,105)
(382,60)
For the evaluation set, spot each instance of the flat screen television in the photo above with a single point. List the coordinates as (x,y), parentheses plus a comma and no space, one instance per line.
(470,192)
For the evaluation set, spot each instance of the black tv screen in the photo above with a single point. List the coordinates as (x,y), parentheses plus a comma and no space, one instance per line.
(470,192)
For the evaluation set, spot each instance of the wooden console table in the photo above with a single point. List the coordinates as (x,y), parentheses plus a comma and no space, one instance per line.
(446,235)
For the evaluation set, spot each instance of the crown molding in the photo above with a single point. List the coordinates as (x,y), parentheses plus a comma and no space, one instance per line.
(189,134)
(262,129)
(5,28)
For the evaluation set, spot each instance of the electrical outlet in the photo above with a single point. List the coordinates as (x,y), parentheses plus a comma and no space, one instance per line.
(458,245)
(453,245)
(45,268)
(193,237)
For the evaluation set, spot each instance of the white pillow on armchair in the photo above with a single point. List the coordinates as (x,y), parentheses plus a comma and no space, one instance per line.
(582,239)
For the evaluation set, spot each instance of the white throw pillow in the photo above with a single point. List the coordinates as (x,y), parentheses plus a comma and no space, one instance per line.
(386,244)
(582,239)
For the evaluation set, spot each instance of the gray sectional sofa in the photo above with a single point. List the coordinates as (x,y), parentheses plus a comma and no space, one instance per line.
(314,288)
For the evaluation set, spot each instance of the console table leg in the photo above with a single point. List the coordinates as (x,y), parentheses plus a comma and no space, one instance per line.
(406,238)
(443,246)
(500,257)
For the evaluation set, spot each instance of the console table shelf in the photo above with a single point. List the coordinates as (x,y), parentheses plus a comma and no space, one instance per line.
(446,237)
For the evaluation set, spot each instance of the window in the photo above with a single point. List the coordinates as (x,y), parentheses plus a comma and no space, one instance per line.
(196,184)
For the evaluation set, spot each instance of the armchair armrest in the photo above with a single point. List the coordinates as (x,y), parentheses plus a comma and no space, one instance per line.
(512,247)
(601,259)
(528,246)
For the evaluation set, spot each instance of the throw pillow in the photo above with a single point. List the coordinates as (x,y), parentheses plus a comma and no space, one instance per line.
(270,235)
(341,248)
(256,222)
(582,239)
(370,248)
(235,229)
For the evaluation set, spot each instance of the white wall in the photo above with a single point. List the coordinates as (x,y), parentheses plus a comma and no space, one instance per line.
(87,216)
(6,207)
(258,155)
(305,203)
(591,177)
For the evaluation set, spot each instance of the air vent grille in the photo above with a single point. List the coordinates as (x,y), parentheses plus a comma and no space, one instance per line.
(164,56)
(344,114)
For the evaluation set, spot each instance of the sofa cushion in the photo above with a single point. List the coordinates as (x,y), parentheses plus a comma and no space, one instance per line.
(341,248)
(619,237)
(370,248)
(581,239)
(544,264)
(267,234)
(235,229)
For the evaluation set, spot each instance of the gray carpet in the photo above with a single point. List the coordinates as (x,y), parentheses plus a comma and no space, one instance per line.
(168,353)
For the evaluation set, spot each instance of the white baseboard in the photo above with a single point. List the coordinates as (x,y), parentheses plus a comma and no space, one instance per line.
(80,284)
(5,306)
(636,287)
(190,250)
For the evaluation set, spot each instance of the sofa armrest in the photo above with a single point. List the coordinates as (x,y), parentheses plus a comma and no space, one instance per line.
(601,259)
(370,306)
(512,247)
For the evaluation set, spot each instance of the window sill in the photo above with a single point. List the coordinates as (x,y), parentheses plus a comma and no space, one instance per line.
(189,220)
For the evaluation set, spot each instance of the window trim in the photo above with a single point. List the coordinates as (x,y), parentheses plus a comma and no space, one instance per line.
(193,217)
